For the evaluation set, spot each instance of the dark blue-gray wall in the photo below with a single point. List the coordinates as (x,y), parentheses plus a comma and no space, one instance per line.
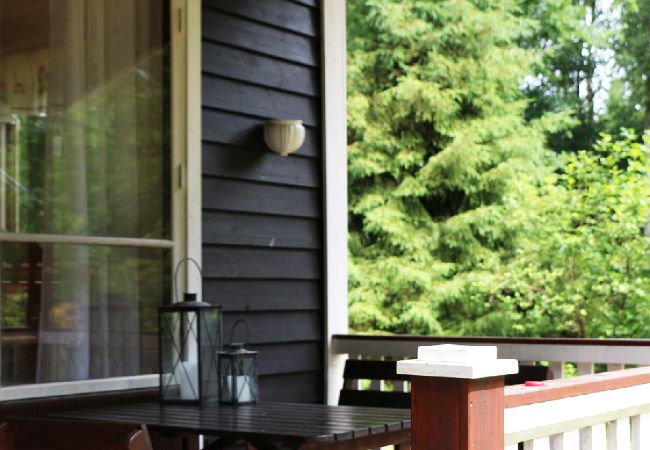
(262,213)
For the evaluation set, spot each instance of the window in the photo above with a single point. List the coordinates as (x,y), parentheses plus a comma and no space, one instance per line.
(86,235)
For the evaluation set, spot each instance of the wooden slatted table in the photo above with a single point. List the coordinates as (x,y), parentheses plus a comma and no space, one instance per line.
(265,425)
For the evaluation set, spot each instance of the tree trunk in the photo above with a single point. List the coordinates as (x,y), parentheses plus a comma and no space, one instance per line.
(589,75)
(646,122)
(589,138)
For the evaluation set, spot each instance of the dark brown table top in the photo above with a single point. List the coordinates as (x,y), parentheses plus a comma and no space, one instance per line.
(298,424)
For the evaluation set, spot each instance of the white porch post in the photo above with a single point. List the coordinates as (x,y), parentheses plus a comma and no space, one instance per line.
(336,197)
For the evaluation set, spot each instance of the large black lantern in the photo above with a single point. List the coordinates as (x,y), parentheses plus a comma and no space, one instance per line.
(238,373)
(190,338)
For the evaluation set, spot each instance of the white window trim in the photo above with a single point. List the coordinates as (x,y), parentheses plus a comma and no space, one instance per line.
(185,23)
(186,124)
(27,391)
(336,196)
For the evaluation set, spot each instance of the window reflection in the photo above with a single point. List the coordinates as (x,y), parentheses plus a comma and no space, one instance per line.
(63,321)
(84,151)
(84,118)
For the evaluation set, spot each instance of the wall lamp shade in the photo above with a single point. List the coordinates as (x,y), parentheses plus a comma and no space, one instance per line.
(284,136)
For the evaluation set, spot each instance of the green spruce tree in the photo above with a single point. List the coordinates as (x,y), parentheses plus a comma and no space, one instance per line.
(440,157)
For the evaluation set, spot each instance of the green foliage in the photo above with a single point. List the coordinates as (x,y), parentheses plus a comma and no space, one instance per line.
(573,40)
(438,146)
(461,221)
(630,104)
(581,269)
(623,110)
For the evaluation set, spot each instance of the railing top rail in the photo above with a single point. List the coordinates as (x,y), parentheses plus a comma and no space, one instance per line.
(520,395)
(607,351)
(497,340)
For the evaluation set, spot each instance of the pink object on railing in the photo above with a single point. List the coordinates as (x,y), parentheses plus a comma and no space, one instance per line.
(534,383)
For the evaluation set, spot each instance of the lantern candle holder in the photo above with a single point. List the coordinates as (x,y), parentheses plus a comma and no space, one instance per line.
(238,372)
(190,338)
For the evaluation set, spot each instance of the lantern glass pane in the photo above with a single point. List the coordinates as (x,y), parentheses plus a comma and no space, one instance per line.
(179,356)
(238,378)
(246,380)
(225,379)
(210,344)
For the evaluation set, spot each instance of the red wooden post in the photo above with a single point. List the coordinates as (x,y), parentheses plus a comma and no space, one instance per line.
(457,397)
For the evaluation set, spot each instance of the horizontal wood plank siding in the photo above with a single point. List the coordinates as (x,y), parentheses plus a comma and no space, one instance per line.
(238,32)
(236,162)
(262,213)
(245,295)
(225,61)
(241,263)
(261,231)
(258,101)
(244,196)
(296,387)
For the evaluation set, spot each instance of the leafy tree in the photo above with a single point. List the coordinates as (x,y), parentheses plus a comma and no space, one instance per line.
(582,269)
(629,102)
(623,110)
(573,38)
(440,155)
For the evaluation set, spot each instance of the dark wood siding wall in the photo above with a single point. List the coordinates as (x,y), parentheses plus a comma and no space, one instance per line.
(262,213)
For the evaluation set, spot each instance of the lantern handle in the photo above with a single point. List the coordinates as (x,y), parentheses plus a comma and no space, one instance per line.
(178,266)
(248,330)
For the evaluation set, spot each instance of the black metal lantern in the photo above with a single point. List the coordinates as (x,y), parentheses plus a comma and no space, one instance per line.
(238,373)
(190,338)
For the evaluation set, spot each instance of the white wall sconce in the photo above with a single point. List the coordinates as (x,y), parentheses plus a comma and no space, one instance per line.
(284,136)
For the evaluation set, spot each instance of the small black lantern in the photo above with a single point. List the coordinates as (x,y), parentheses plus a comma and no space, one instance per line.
(190,338)
(238,372)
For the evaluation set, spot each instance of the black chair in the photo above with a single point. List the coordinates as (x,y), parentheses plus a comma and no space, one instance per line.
(357,369)
(527,373)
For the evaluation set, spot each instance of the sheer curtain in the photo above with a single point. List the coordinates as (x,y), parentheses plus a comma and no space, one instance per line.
(103,157)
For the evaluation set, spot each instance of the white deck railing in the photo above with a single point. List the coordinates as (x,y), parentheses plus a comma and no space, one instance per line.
(606,411)
(614,353)
(609,411)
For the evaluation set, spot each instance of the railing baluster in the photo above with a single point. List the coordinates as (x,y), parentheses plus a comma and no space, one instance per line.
(613,367)
(618,434)
(557,442)
(565,441)
(593,438)
(538,444)
(557,368)
(640,431)
(612,435)
(586,438)
(585,368)
(572,440)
